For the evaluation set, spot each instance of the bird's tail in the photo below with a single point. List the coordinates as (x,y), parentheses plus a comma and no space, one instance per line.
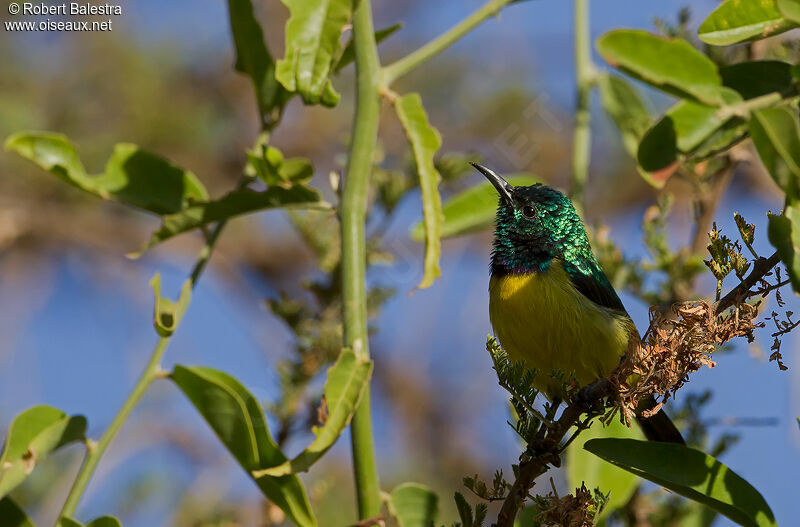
(660,427)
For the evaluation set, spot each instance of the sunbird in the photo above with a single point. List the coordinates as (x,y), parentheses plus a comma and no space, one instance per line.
(550,303)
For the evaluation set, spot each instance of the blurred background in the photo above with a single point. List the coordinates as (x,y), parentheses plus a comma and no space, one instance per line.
(75,329)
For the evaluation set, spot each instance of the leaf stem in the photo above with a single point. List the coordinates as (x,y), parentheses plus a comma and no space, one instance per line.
(151,372)
(582,139)
(352,214)
(397,69)
(745,108)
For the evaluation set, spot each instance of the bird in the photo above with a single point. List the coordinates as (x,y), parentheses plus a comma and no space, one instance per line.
(550,303)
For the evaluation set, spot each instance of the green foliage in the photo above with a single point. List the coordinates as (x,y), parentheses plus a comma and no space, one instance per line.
(743,20)
(680,133)
(312,46)
(348,53)
(776,136)
(347,379)
(131,175)
(13,515)
(790,9)
(498,490)
(726,255)
(238,420)
(268,164)
(103,521)
(622,103)
(470,518)
(471,210)
(32,436)
(758,77)
(413,505)
(583,467)
(689,473)
(254,60)
(425,142)
(234,203)
(674,66)
(168,314)
(784,234)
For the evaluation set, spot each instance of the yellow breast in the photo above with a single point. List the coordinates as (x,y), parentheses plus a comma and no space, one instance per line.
(543,319)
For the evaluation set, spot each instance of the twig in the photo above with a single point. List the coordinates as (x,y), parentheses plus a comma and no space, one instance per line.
(151,372)
(761,267)
(744,109)
(585,73)
(546,452)
(394,71)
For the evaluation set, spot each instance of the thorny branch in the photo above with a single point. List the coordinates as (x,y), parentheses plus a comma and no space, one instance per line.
(672,348)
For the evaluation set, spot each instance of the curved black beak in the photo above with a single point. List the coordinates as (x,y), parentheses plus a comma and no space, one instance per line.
(503,187)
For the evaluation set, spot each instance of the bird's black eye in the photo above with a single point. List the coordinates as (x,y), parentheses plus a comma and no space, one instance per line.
(528,211)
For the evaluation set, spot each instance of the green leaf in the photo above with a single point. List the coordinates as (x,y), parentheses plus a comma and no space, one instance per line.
(596,473)
(13,515)
(743,20)
(698,516)
(776,136)
(790,9)
(672,65)
(254,60)
(347,379)
(425,141)
(235,203)
(471,210)
(103,521)
(132,176)
(784,234)
(32,436)
(414,505)
(681,131)
(732,132)
(623,104)
(348,54)
(464,510)
(757,77)
(691,474)
(168,314)
(238,420)
(272,168)
(312,45)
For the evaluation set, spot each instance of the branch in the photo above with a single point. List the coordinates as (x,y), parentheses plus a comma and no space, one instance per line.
(745,108)
(397,69)
(760,269)
(547,451)
(584,71)
(151,373)
(352,212)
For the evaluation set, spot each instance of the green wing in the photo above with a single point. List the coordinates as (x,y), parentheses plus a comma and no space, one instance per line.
(594,285)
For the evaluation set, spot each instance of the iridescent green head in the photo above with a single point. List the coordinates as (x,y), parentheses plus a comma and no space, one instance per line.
(536,224)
